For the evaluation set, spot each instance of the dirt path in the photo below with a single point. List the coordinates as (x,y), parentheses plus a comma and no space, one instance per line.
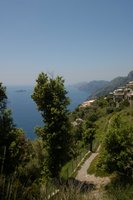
(83,176)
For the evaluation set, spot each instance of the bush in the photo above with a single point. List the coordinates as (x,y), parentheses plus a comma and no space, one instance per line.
(118,149)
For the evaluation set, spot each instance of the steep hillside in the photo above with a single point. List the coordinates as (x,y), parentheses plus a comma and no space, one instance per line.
(112,85)
(92,86)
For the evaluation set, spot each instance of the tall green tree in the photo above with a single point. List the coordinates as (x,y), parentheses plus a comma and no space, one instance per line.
(52,101)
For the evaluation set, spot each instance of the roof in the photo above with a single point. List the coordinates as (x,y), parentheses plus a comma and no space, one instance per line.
(87,103)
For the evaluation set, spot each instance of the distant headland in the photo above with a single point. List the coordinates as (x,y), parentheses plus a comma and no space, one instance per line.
(20,91)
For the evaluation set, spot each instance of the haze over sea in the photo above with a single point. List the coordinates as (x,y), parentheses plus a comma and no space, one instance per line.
(24,110)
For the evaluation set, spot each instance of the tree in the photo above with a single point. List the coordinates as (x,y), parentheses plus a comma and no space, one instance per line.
(89,136)
(118,149)
(89,129)
(51,99)
(89,133)
(12,140)
(6,126)
(3,97)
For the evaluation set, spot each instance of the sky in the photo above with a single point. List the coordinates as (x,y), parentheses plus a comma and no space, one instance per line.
(81,40)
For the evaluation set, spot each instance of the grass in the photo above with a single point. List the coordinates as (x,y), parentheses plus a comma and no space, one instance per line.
(118,191)
(111,192)
(114,191)
(94,170)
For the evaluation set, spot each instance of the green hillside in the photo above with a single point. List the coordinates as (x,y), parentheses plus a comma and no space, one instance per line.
(114,127)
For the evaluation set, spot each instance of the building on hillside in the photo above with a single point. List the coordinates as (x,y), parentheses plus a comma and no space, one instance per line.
(87,103)
(127,90)
(130,85)
(119,94)
(129,97)
(124,93)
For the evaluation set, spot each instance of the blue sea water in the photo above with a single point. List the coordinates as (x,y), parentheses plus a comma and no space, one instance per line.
(24,110)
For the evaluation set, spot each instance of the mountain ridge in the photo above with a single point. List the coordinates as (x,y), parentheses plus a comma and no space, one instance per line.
(92,86)
(101,88)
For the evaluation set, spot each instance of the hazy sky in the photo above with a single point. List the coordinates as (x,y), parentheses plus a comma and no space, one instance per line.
(81,40)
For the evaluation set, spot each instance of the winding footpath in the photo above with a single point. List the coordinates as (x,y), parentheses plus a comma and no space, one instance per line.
(92,179)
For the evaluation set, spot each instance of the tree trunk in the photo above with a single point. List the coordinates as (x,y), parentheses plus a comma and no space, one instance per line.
(91,146)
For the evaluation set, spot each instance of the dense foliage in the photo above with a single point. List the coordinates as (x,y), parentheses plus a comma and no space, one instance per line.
(118,149)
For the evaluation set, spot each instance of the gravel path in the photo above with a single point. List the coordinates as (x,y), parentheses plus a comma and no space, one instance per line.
(83,176)
(82,173)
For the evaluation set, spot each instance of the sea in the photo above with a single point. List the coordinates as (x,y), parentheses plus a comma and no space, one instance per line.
(24,109)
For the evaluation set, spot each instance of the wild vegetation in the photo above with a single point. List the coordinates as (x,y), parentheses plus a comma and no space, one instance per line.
(36,169)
